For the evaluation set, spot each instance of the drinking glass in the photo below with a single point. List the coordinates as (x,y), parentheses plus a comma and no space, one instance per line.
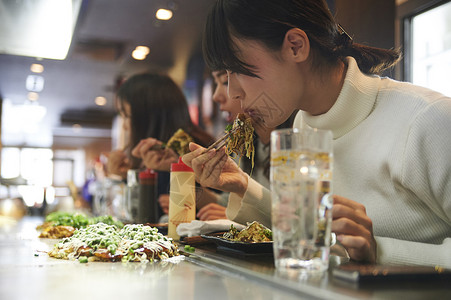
(300,178)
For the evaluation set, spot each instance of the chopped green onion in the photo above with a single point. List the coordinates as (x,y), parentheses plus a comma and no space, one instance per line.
(83,259)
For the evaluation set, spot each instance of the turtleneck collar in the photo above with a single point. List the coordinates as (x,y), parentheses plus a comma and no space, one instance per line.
(355,102)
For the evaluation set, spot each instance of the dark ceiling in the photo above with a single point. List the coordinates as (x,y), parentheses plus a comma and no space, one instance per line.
(106,33)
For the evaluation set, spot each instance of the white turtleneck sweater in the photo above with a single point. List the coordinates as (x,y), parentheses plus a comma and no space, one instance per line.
(392,153)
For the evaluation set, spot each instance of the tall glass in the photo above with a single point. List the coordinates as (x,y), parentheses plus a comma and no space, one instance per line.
(301,177)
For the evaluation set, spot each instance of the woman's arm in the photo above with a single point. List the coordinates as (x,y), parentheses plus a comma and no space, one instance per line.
(395,251)
(255,205)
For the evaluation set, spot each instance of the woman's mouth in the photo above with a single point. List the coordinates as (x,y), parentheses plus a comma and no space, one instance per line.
(227,116)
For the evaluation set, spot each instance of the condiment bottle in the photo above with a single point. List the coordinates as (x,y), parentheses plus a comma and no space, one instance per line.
(182,197)
(132,194)
(148,202)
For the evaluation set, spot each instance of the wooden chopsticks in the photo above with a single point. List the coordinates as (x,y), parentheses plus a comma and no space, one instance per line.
(221,142)
(158,147)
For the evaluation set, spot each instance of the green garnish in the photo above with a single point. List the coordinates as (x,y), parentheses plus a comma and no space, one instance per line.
(188,248)
(79,220)
(228,127)
(83,259)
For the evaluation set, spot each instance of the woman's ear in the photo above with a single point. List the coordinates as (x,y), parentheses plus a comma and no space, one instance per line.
(296,45)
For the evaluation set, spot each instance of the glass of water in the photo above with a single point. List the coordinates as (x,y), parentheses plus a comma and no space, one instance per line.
(301,177)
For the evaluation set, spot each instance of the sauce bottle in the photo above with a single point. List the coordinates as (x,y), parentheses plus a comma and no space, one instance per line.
(148,211)
(182,197)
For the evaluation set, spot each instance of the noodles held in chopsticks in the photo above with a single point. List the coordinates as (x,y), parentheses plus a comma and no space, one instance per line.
(241,141)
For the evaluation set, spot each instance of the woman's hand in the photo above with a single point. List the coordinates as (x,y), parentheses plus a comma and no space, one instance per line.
(354,229)
(117,163)
(211,211)
(164,202)
(160,159)
(215,169)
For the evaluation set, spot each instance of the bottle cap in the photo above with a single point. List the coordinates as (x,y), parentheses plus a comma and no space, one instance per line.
(148,174)
(180,167)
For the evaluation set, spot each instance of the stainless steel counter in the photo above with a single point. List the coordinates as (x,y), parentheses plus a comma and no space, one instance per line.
(26,272)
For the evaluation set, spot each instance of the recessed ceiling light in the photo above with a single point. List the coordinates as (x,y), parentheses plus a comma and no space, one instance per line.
(163,14)
(77,128)
(32,96)
(143,49)
(140,52)
(37,68)
(138,55)
(100,101)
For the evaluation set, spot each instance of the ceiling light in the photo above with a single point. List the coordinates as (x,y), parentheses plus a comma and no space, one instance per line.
(100,101)
(143,49)
(163,14)
(140,52)
(38,28)
(77,128)
(32,96)
(37,68)
(138,55)
(34,83)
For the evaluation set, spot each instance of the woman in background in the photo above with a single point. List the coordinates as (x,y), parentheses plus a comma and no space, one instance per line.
(260,171)
(152,106)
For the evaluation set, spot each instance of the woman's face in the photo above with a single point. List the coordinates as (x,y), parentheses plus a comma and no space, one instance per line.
(275,95)
(126,113)
(230,108)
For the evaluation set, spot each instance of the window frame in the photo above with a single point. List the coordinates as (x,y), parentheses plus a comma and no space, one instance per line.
(405,13)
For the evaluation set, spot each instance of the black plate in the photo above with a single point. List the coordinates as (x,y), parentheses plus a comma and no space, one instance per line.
(251,248)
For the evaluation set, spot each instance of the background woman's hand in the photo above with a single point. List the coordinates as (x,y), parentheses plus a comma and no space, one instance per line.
(164,203)
(354,229)
(215,169)
(211,211)
(159,160)
(117,163)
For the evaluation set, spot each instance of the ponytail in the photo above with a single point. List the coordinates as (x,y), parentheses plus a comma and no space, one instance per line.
(371,60)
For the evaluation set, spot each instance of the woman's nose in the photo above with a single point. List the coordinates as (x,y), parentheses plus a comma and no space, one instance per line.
(219,97)
(234,88)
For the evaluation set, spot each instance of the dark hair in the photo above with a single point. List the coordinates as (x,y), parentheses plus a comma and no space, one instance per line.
(158,109)
(267,21)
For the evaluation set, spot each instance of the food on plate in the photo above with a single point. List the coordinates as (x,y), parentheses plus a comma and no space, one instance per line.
(63,224)
(179,142)
(102,242)
(241,140)
(57,232)
(253,233)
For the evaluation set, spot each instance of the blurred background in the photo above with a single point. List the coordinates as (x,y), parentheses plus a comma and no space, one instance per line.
(61,62)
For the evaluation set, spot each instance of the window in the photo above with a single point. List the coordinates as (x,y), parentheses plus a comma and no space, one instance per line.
(427,40)
(32,164)
(26,165)
(42,170)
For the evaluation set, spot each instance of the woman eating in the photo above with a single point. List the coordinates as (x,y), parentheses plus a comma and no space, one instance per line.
(392,168)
